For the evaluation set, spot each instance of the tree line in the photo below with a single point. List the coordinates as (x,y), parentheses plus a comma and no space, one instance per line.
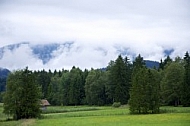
(123,81)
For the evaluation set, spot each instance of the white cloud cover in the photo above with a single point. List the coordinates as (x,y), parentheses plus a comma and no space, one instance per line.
(146,27)
(19,58)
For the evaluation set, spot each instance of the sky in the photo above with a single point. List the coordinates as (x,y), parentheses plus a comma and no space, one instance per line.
(146,27)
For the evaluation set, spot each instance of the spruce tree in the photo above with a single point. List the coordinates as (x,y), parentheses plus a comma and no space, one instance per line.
(144,92)
(137,91)
(119,85)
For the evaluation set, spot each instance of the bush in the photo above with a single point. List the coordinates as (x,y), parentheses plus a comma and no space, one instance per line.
(116,104)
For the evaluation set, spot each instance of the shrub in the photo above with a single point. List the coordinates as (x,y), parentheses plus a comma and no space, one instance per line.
(116,104)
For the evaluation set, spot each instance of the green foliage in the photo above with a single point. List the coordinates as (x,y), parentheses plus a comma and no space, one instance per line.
(171,83)
(117,83)
(54,91)
(76,87)
(2,87)
(22,96)
(144,93)
(186,84)
(119,77)
(65,81)
(138,63)
(43,78)
(95,88)
(71,89)
(166,62)
(1,96)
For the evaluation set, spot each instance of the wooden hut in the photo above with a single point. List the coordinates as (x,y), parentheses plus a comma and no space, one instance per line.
(44,104)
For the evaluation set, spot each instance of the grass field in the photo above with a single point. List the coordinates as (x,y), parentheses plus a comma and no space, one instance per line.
(101,116)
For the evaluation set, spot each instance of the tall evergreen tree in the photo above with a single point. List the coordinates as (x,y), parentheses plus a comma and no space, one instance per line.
(153,90)
(166,62)
(161,65)
(129,68)
(22,95)
(186,84)
(144,96)
(137,91)
(144,93)
(119,85)
(138,63)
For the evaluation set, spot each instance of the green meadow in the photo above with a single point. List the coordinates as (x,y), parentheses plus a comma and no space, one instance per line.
(101,116)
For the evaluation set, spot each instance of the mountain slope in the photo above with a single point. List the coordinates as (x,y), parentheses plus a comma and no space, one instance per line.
(152,64)
(4,72)
(3,77)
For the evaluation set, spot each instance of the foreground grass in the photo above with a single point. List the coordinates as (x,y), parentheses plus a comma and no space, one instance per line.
(179,119)
(101,116)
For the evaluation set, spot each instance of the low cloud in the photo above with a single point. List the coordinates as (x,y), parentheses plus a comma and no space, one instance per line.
(19,58)
(98,28)
(79,55)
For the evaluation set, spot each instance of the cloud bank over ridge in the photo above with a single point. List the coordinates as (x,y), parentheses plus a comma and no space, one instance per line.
(100,30)
(65,55)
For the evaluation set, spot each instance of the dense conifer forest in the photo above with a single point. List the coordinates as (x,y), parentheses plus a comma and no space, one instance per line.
(122,81)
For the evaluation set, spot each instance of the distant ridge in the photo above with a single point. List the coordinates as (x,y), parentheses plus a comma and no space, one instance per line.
(152,64)
(4,72)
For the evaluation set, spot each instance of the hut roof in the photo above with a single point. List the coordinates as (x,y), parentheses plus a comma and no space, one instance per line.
(44,102)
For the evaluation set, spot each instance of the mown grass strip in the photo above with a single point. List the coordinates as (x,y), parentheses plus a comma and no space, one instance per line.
(64,109)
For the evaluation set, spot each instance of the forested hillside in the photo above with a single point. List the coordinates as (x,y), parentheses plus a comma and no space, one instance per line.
(3,77)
